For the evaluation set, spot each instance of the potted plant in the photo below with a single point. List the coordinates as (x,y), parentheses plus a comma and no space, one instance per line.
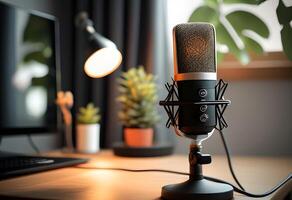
(88,129)
(138,96)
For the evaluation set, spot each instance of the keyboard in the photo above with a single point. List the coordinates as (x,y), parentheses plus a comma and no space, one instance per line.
(18,165)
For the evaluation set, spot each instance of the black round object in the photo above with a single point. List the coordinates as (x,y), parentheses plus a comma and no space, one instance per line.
(158,149)
(197,189)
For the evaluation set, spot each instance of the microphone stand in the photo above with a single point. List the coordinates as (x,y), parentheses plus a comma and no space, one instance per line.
(197,187)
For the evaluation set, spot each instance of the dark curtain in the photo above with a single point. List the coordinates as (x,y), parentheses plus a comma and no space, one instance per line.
(138,28)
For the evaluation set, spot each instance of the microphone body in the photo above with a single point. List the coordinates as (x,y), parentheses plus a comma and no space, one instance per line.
(194,105)
(195,74)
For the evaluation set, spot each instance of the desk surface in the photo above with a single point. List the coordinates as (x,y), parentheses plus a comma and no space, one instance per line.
(257,174)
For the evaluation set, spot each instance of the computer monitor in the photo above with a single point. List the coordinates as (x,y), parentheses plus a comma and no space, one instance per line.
(29,73)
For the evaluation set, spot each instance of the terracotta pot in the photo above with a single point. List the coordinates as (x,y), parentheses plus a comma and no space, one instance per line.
(138,137)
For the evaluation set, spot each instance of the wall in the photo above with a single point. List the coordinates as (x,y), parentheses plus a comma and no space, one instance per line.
(259,119)
(63,11)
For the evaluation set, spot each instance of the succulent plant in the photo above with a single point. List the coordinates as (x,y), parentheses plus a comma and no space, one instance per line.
(88,115)
(138,96)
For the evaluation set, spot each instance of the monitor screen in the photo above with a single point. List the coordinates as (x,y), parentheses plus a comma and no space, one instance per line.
(27,72)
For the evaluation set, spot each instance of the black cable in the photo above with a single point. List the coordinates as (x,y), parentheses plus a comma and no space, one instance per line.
(274,189)
(0,140)
(238,190)
(242,191)
(229,159)
(32,144)
(134,170)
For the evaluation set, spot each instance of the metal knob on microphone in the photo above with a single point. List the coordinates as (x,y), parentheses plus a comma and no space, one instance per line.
(195,107)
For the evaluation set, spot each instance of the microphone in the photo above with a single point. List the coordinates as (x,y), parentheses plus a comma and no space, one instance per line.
(195,107)
(195,73)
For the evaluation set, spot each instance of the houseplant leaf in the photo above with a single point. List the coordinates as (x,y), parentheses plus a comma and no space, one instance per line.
(252,45)
(242,20)
(286,37)
(224,37)
(138,95)
(284,15)
(252,2)
(205,14)
(233,29)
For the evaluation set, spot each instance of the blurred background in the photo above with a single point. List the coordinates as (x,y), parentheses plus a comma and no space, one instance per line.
(250,58)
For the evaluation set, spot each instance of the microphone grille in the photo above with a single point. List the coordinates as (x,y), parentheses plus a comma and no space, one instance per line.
(195,47)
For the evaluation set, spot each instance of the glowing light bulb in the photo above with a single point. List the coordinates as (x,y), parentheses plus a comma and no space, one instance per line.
(103,62)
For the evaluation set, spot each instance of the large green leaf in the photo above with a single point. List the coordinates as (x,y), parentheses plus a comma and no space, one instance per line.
(224,37)
(284,13)
(205,14)
(232,27)
(286,37)
(242,20)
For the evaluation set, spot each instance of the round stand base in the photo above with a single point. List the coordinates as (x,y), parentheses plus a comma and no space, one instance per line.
(158,149)
(197,189)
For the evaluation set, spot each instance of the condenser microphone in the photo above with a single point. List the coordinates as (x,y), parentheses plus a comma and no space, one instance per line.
(195,107)
(195,74)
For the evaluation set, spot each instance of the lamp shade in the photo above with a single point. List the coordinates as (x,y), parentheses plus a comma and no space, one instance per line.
(106,58)
(103,62)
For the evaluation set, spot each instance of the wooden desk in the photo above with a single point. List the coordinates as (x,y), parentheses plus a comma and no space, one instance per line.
(257,174)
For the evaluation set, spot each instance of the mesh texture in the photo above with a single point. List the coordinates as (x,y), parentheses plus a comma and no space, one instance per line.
(195,47)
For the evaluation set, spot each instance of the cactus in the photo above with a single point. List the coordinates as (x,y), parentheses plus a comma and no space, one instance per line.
(88,114)
(138,96)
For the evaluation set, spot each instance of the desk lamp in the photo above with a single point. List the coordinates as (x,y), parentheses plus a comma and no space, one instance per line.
(107,58)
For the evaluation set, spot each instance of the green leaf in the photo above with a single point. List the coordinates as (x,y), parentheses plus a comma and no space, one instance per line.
(205,14)
(37,56)
(242,20)
(233,26)
(212,3)
(37,30)
(82,110)
(261,1)
(88,115)
(137,97)
(252,2)
(286,37)
(224,37)
(252,45)
(284,13)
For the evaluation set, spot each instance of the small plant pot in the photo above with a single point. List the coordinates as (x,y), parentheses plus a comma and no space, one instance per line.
(138,137)
(88,138)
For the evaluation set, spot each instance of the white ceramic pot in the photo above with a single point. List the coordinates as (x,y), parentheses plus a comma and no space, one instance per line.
(88,138)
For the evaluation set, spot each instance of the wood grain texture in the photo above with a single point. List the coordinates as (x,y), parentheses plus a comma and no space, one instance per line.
(258,174)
